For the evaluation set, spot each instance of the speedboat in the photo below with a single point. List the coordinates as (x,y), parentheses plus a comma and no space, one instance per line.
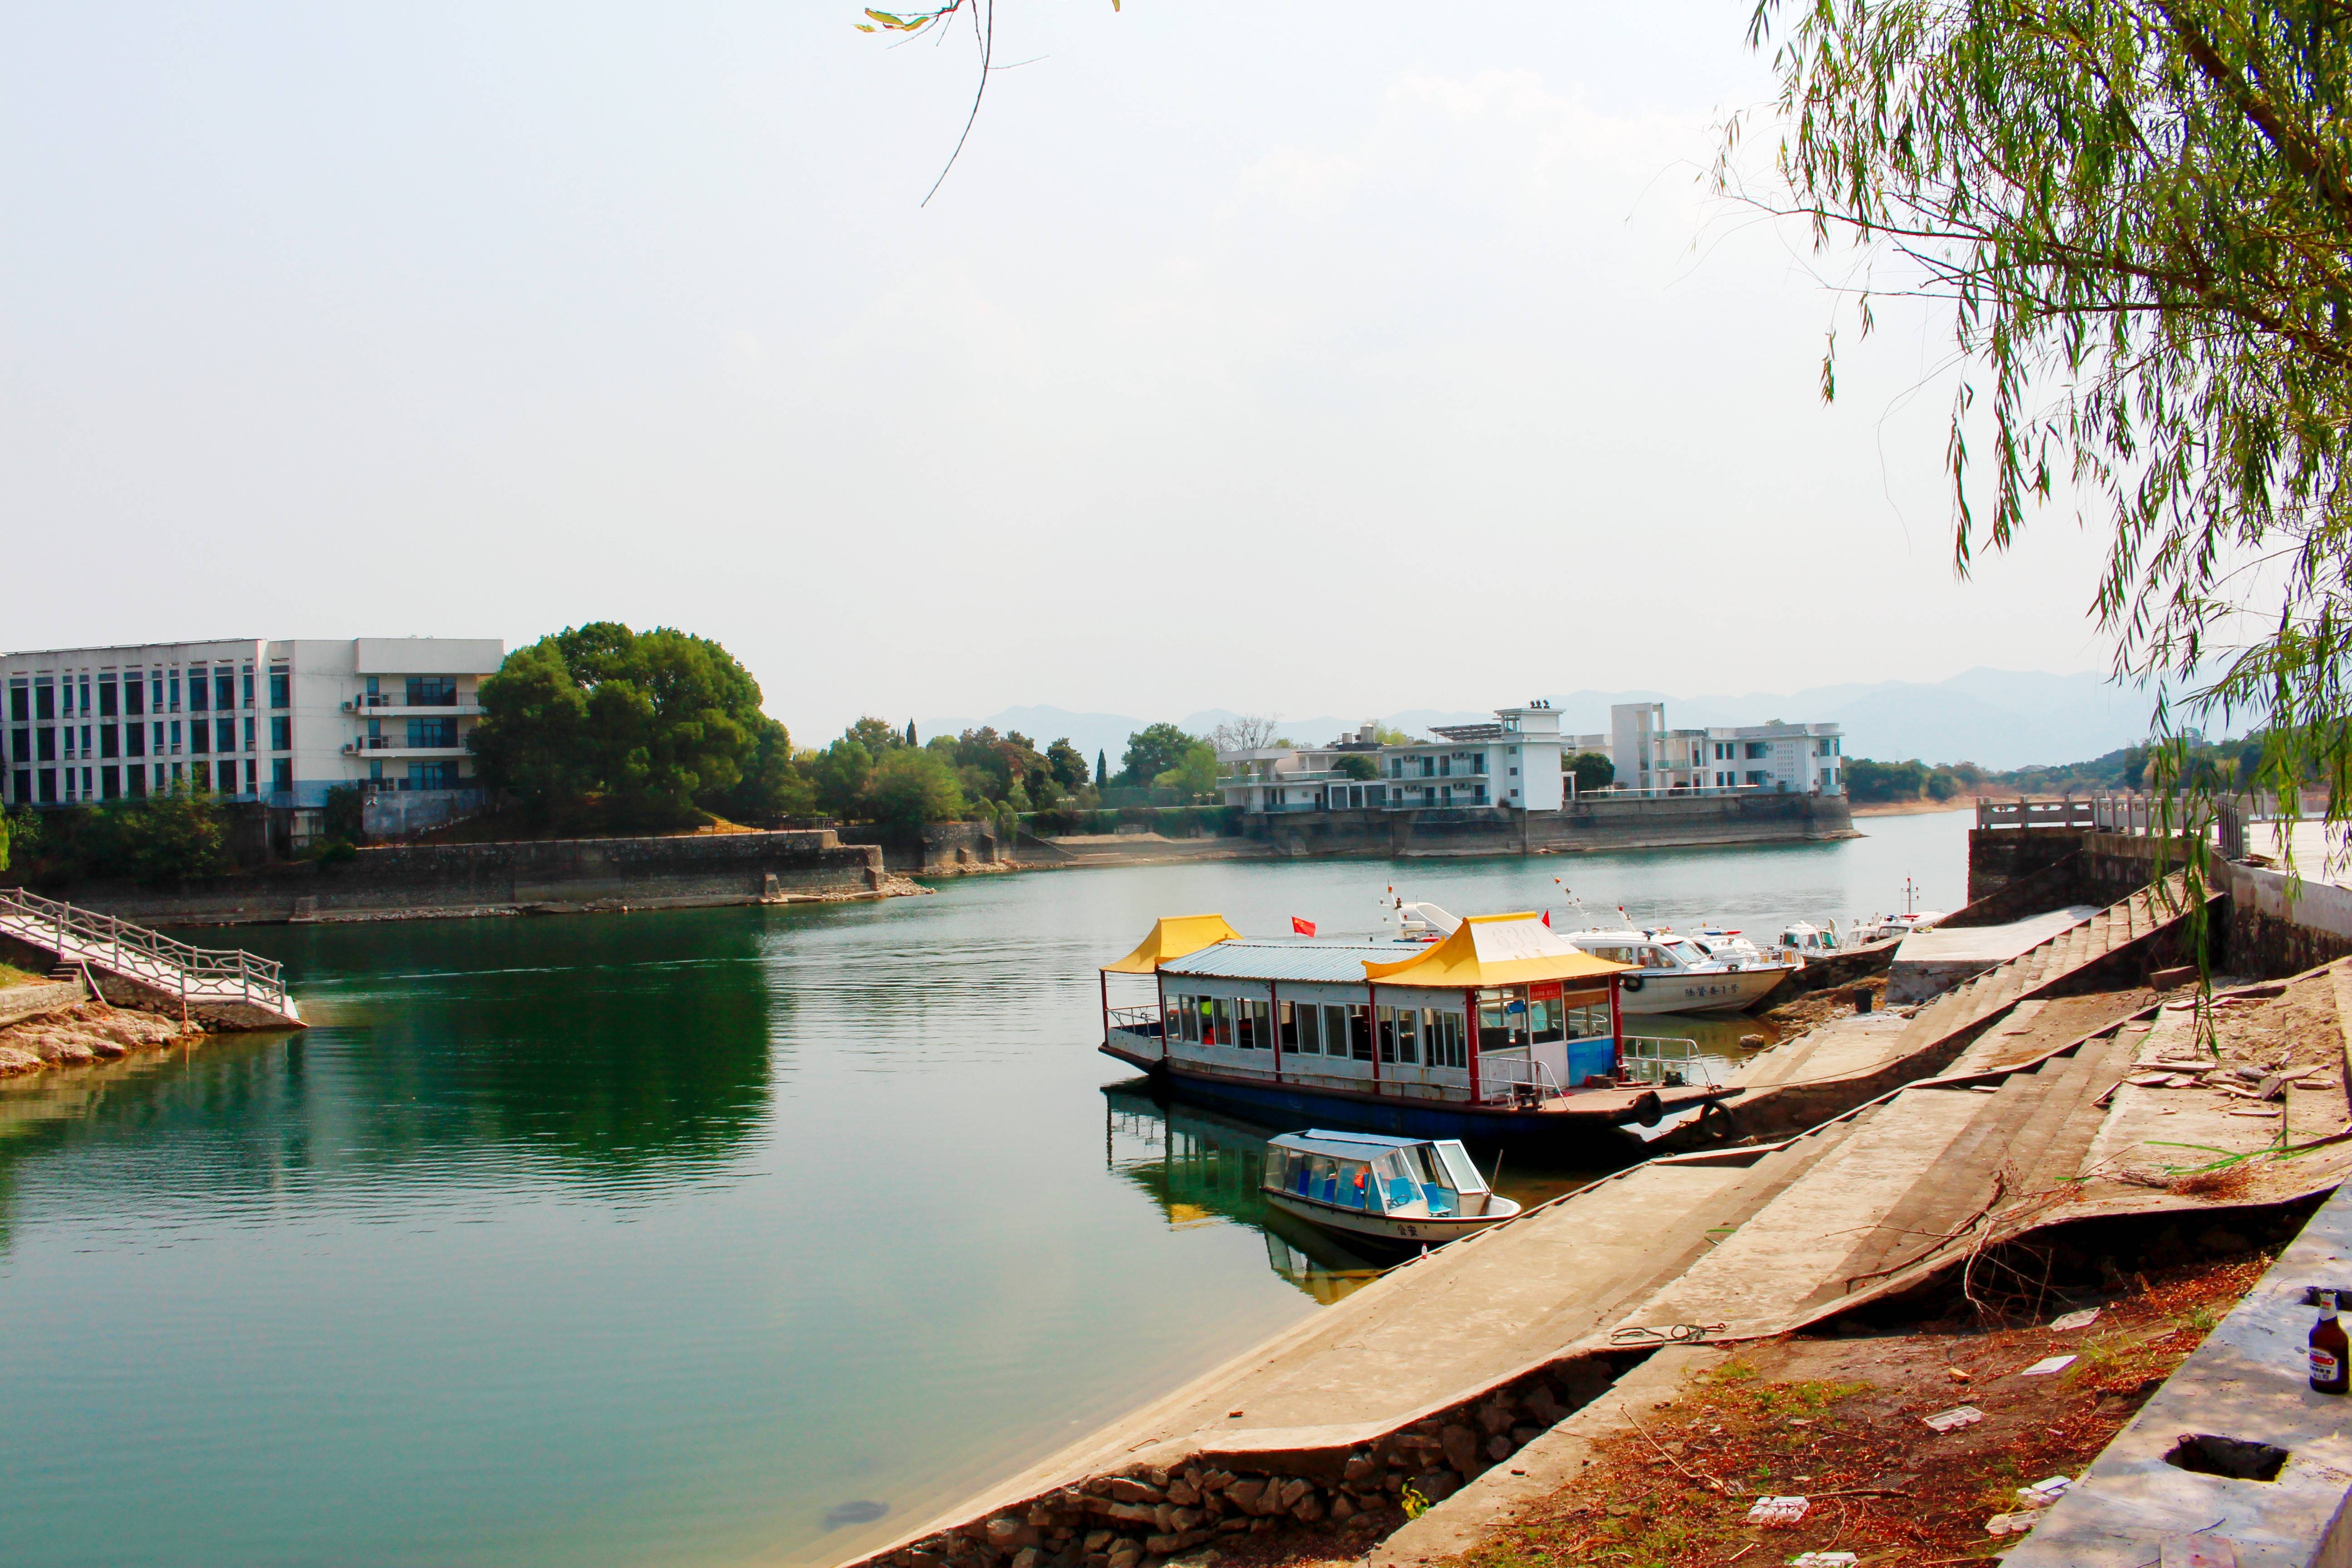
(1728,945)
(1672,973)
(1398,1192)
(1888,928)
(1807,940)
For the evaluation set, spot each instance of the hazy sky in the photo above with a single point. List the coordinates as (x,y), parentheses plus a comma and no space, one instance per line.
(1301,357)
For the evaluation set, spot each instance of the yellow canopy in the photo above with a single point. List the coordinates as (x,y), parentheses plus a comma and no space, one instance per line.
(1494,950)
(1173,937)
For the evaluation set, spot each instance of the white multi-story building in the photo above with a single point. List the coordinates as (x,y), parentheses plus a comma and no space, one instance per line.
(1774,758)
(282,723)
(1513,761)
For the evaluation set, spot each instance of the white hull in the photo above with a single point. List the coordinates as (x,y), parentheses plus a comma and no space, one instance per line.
(1398,1231)
(1699,991)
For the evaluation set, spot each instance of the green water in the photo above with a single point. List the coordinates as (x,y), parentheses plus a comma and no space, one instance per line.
(715,1237)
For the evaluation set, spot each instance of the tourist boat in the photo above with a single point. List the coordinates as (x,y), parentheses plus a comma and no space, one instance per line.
(1395,1192)
(1671,973)
(1807,940)
(1498,1030)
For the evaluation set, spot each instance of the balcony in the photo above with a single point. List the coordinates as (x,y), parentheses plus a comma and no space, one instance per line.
(391,707)
(397,746)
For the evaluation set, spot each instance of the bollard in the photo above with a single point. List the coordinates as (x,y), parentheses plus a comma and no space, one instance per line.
(1862,999)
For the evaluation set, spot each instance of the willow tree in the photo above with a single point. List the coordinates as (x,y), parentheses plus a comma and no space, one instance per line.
(2140,215)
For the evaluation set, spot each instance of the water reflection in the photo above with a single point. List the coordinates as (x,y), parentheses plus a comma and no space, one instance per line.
(471,1054)
(1201,1167)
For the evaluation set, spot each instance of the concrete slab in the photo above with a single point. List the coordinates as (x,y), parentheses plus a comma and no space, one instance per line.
(1465,1520)
(2249,1379)
(1932,962)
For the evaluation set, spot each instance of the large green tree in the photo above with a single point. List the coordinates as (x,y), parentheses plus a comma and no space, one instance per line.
(659,723)
(913,786)
(2140,213)
(1152,750)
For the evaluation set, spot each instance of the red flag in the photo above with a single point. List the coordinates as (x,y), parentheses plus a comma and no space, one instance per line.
(1303,928)
(1547,920)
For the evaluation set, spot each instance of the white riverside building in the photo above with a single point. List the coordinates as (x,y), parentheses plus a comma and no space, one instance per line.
(277,722)
(1515,762)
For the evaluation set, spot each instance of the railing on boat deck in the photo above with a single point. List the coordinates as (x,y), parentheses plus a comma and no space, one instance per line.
(1658,1059)
(1507,1077)
(1141,1026)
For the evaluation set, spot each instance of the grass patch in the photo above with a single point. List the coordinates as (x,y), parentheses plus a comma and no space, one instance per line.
(12,975)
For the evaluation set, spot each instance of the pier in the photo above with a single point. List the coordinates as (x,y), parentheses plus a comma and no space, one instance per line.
(133,966)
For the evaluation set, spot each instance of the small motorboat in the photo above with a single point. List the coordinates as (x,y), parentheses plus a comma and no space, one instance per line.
(1400,1192)
(1727,946)
(1672,974)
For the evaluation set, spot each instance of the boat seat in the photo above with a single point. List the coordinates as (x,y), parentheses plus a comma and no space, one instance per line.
(1439,1199)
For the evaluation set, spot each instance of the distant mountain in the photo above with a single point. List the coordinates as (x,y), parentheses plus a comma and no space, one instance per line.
(1998,719)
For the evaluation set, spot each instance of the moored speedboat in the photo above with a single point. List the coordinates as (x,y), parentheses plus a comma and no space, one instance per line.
(1397,1192)
(1669,973)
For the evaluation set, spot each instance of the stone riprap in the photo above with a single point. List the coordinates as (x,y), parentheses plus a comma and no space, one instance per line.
(83,1033)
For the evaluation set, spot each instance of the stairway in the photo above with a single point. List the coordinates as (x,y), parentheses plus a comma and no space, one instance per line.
(1961,1013)
(226,989)
(1919,1174)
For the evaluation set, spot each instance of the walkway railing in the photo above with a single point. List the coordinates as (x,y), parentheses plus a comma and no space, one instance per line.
(1655,1058)
(104,941)
(1503,1077)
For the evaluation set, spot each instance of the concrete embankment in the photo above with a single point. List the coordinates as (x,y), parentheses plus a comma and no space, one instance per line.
(555,876)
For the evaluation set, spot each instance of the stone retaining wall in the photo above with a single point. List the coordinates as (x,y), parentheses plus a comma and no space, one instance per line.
(416,880)
(1139,1516)
(941,849)
(1595,823)
(27,1001)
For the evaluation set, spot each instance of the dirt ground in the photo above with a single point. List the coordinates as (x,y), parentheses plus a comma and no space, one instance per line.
(1802,1015)
(1838,1420)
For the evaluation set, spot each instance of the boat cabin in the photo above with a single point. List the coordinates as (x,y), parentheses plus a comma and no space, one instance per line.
(1404,1178)
(1499,1012)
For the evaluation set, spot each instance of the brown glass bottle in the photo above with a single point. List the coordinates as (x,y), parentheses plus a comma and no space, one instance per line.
(2331,1350)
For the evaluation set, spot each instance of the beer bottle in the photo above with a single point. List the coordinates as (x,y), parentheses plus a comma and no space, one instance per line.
(2331,1350)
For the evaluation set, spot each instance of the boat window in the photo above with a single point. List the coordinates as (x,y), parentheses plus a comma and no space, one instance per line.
(1399,1184)
(1304,1035)
(1286,1025)
(1323,1179)
(1354,1185)
(1588,1020)
(1451,1049)
(1688,952)
(1188,1016)
(1359,1031)
(1335,1030)
(1459,1166)
(1218,1022)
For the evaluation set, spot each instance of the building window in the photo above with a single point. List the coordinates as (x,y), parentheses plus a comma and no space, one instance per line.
(224,734)
(281,776)
(431,691)
(109,783)
(48,786)
(1759,749)
(20,703)
(225,690)
(45,702)
(248,735)
(108,744)
(432,732)
(252,776)
(139,783)
(134,739)
(281,735)
(20,745)
(201,775)
(248,677)
(280,688)
(46,740)
(106,698)
(443,775)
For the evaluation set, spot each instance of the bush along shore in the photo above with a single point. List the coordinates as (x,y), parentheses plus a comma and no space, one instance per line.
(85,1033)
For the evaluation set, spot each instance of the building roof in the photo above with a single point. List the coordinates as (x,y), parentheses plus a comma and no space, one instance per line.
(1494,950)
(1172,936)
(1334,962)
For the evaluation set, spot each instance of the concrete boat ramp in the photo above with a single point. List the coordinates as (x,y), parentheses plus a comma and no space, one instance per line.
(1444,1367)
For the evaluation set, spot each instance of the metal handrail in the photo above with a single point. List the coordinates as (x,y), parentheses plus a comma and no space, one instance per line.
(1644,1059)
(1495,1083)
(147,954)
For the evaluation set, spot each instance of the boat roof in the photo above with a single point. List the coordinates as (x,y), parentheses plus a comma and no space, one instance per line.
(1354,1145)
(1329,961)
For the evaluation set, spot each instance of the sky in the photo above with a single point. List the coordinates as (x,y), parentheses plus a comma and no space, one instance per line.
(1287,358)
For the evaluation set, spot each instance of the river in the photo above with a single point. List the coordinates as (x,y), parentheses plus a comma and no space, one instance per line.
(695,1238)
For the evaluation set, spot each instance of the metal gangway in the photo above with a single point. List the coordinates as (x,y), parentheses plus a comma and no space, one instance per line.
(228,987)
